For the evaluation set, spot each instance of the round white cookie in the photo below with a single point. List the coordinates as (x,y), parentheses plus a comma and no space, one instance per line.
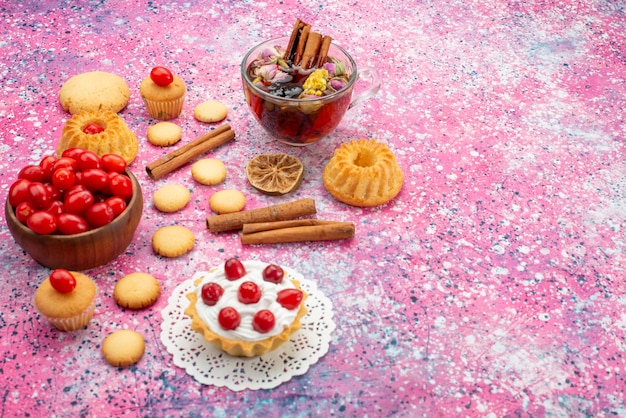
(94,91)
(171,198)
(208,171)
(227,201)
(164,134)
(210,111)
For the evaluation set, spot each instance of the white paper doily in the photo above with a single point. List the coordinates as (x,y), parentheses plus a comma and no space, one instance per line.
(210,366)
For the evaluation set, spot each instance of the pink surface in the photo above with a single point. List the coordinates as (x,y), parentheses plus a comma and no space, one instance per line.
(493,285)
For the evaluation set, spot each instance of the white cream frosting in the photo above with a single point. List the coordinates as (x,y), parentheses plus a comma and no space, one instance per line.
(269,291)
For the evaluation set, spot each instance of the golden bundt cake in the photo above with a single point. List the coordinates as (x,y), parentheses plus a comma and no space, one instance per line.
(103,132)
(363,172)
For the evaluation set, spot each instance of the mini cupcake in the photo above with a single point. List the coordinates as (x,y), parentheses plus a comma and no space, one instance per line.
(163,94)
(66,299)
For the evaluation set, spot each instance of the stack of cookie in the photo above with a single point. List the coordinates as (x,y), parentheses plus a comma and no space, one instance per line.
(94,100)
(134,291)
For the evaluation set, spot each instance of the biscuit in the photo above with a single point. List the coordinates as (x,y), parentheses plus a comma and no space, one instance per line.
(164,134)
(173,241)
(94,91)
(171,198)
(210,111)
(208,171)
(123,348)
(227,201)
(136,291)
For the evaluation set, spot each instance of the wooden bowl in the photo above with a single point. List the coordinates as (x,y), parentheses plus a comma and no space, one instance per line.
(81,251)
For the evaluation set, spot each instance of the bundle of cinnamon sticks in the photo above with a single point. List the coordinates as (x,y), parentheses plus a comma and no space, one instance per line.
(277,224)
(307,49)
(298,230)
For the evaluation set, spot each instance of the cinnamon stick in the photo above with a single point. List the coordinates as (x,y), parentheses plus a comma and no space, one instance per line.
(188,152)
(325,232)
(323,54)
(304,35)
(311,49)
(269,226)
(293,40)
(279,212)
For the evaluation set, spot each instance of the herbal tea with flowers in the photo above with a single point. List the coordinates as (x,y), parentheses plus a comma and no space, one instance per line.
(302,72)
(275,73)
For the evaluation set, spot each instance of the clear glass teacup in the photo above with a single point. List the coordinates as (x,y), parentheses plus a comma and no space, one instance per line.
(302,120)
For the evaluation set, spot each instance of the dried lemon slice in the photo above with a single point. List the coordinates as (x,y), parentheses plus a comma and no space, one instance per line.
(275,174)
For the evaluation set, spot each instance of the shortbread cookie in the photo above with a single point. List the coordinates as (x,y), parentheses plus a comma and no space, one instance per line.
(208,171)
(164,134)
(210,111)
(173,241)
(227,201)
(123,348)
(171,198)
(136,290)
(94,91)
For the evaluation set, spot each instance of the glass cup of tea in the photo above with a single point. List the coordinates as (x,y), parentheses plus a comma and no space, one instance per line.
(284,103)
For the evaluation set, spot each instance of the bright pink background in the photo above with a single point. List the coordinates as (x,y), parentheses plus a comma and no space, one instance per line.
(493,285)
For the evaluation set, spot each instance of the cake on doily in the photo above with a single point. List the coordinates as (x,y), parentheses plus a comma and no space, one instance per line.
(209,365)
(363,173)
(246,309)
(102,132)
